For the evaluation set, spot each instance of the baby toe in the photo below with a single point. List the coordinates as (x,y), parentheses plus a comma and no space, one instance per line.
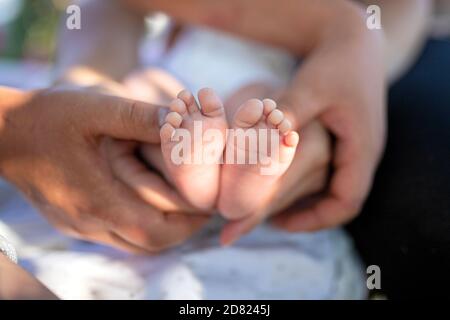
(211,104)
(178,105)
(187,97)
(166,133)
(285,126)
(248,114)
(269,106)
(275,118)
(292,139)
(174,119)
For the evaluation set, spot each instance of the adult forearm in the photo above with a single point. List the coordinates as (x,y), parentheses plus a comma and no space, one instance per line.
(405,24)
(106,47)
(297,25)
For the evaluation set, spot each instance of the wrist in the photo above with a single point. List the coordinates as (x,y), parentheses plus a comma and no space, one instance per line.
(346,24)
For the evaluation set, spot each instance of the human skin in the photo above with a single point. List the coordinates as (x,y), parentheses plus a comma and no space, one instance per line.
(52,150)
(404,22)
(350,107)
(310,163)
(405,25)
(313,171)
(335,42)
(357,120)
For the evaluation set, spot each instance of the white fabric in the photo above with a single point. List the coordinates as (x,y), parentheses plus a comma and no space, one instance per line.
(202,58)
(267,264)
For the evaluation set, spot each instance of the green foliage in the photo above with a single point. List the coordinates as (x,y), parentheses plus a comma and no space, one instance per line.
(33,33)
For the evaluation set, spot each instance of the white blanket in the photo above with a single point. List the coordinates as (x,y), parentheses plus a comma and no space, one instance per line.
(267,264)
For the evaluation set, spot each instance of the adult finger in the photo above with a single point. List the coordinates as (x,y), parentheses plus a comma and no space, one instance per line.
(234,230)
(119,118)
(152,155)
(124,213)
(111,239)
(160,232)
(300,106)
(348,188)
(147,184)
(87,227)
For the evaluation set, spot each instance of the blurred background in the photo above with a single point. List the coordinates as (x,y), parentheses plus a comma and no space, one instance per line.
(28,36)
(28,30)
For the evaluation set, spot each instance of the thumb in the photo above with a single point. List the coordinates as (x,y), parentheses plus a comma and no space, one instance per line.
(234,230)
(122,118)
(300,106)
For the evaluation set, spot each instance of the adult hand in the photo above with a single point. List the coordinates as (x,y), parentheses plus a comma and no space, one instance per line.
(52,149)
(331,87)
(306,175)
(341,83)
(152,85)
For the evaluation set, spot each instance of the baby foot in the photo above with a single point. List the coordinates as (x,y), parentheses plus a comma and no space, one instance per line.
(192,143)
(246,186)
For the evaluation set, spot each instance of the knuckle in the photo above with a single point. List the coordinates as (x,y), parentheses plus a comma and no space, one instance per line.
(135,115)
(128,113)
(90,215)
(85,210)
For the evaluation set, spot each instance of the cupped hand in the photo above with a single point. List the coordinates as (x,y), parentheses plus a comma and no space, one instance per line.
(159,87)
(332,88)
(53,150)
(306,175)
(342,84)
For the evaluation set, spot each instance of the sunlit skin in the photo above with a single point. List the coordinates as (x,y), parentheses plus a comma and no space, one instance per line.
(51,140)
(53,146)
(334,42)
(199,180)
(253,192)
(348,107)
(314,173)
